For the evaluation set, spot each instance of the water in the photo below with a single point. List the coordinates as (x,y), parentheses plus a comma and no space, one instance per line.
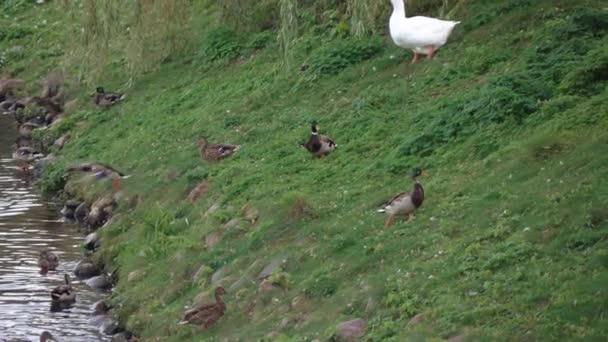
(29,224)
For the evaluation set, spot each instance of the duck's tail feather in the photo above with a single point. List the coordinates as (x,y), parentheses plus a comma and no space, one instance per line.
(381,210)
(182,322)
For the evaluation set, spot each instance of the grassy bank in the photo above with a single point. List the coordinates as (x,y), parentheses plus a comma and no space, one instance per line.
(509,121)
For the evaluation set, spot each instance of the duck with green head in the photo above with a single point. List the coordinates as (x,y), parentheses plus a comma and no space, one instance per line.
(404,203)
(107,99)
(318,145)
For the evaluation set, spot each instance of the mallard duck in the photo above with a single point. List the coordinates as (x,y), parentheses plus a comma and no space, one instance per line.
(207,314)
(213,152)
(404,203)
(318,145)
(423,35)
(47,337)
(47,261)
(104,99)
(63,295)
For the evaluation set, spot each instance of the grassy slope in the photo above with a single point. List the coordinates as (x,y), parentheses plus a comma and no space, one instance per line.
(511,240)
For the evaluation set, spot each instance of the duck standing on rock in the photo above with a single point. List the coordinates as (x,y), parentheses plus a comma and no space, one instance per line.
(63,295)
(214,152)
(318,145)
(404,203)
(47,261)
(206,314)
(106,99)
(423,35)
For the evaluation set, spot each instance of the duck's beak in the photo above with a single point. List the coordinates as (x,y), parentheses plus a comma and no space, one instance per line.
(317,127)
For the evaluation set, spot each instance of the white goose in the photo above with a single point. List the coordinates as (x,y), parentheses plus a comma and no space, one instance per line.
(423,35)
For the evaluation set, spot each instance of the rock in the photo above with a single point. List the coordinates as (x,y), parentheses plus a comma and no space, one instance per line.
(458,338)
(86,269)
(417,319)
(351,330)
(251,213)
(92,241)
(235,223)
(81,213)
(60,142)
(212,209)
(110,327)
(124,336)
(212,239)
(267,286)
(199,190)
(101,282)
(135,275)
(100,308)
(218,275)
(273,266)
(299,304)
(237,285)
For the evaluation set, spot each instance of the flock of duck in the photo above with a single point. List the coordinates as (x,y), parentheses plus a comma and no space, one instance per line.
(423,35)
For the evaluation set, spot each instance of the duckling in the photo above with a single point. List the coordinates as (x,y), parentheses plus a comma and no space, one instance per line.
(214,152)
(47,261)
(26,128)
(63,295)
(404,203)
(207,314)
(104,99)
(318,145)
(25,156)
(47,337)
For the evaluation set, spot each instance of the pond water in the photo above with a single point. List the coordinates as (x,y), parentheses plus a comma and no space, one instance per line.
(28,224)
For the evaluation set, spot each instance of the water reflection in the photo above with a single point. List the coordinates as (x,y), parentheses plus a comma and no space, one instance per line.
(29,224)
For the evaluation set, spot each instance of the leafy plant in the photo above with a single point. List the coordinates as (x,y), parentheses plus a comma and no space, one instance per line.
(221,43)
(332,59)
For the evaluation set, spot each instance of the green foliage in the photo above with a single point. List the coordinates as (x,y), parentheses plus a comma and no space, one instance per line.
(15,32)
(222,43)
(589,77)
(321,282)
(334,58)
(509,121)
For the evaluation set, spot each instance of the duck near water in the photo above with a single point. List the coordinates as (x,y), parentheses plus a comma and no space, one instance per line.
(207,314)
(404,203)
(47,337)
(318,145)
(63,295)
(423,35)
(47,261)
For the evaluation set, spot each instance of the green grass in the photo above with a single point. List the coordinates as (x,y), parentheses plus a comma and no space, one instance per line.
(509,121)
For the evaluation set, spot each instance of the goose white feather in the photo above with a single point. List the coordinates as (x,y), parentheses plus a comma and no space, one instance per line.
(423,35)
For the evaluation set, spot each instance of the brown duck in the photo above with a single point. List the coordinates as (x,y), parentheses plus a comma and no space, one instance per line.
(404,203)
(47,261)
(63,295)
(318,145)
(47,337)
(206,314)
(214,152)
